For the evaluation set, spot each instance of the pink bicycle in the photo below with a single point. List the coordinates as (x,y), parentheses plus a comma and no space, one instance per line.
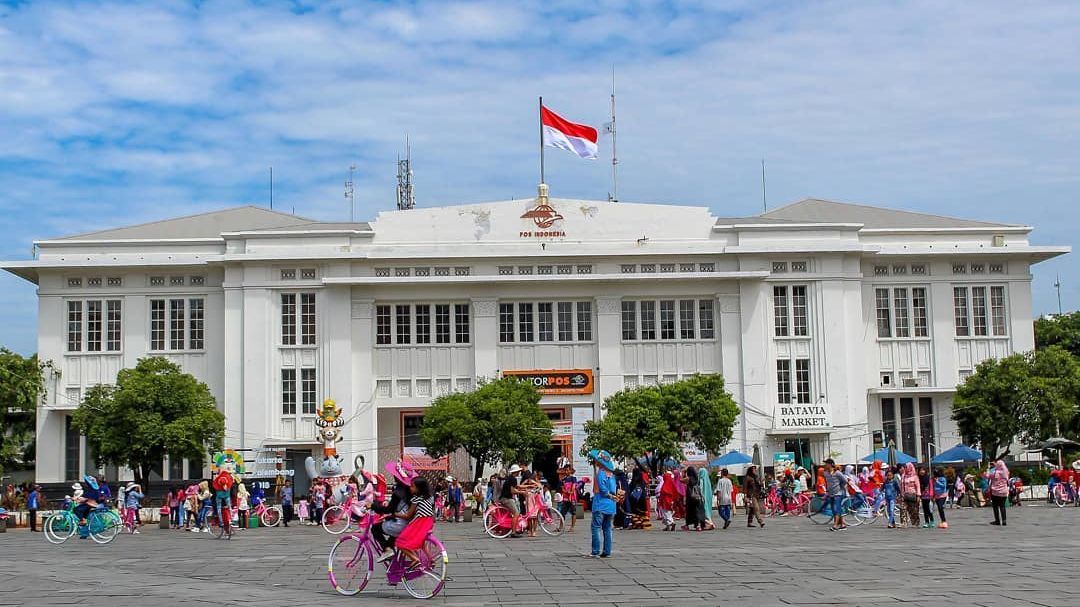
(498,520)
(352,561)
(340,518)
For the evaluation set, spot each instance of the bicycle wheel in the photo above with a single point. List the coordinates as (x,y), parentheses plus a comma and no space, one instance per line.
(350,565)
(850,513)
(214,524)
(426,578)
(819,511)
(498,522)
(104,526)
(551,522)
(270,517)
(335,520)
(1061,497)
(60,527)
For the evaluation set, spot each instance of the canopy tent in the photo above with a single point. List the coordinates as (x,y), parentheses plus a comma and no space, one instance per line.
(731,458)
(883,455)
(958,454)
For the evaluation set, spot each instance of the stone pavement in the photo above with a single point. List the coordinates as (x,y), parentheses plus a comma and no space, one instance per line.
(791,561)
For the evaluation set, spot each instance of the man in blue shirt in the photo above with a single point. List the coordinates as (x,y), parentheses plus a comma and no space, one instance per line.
(603,502)
(33,502)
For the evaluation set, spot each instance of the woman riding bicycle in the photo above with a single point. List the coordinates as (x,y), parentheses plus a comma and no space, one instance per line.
(87,503)
(387,531)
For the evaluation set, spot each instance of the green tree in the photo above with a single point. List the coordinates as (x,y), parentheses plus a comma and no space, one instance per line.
(659,419)
(1029,397)
(154,410)
(22,387)
(501,420)
(1062,330)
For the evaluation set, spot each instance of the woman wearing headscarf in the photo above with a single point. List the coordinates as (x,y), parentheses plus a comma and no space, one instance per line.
(751,488)
(999,491)
(707,495)
(909,489)
(637,497)
(695,501)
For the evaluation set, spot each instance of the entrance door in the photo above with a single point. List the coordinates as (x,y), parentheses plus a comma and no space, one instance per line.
(545,464)
(801,448)
(294,460)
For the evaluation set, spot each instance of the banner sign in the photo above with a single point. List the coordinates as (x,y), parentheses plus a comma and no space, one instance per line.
(692,454)
(419,459)
(580,415)
(808,418)
(571,381)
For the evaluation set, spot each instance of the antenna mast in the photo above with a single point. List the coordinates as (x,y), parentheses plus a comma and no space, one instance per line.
(764,203)
(350,193)
(406,198)
(1057,285)
(614,195)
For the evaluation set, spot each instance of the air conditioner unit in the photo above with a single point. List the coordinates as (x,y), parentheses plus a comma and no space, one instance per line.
(912,382)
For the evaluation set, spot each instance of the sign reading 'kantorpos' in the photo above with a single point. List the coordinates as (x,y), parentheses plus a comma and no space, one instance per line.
(571,381)
(802,417)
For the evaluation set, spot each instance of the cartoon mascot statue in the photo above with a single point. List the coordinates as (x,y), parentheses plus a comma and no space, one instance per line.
(328,471)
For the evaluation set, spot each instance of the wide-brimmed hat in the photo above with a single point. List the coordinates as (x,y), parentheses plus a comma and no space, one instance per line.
(514,469)
(602,458)
(401,470)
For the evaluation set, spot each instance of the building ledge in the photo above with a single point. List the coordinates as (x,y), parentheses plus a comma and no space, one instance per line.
(544,278)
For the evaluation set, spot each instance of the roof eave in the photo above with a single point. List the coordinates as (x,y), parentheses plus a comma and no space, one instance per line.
(952,230)
(794,226)
(27,273)
(64,242)
(296,233)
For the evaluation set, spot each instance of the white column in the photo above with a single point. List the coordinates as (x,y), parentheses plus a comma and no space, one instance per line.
(729,326)
(233,338)
(361,435)
(485,337)
(943,334)
(608,334)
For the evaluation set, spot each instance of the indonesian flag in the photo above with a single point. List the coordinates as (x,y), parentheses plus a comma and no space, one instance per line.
(561,133)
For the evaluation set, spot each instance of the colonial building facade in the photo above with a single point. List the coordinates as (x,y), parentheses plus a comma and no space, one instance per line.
(828,321)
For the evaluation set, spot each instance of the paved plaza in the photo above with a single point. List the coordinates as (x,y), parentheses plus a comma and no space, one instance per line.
(791,561)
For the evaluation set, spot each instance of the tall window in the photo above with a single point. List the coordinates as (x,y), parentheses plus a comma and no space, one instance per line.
(802,380)
(382,325)
(74,327)
(907,425)
(960,311)
(705,319)
(911,426)
(112,337)
(176,324)
(157,324)
(900,307)
(918,311)
(888,420)
(423,324)
(926,425)
(288,391)
(884,323)
(648,320)
(288,319)
(195,324)
(629,320)
(442,323)
(545,321)
(307,390)
(402,319)
(978,310)
(584,321)
(783,381)
(974,315)
(997,310)
(525,322)
(506,322)
(71,449)
(901,312)
(780,311)
(93,326)
(461,323)
(667,319)
(307,319)
(687,328)
(566,320)
(799,320)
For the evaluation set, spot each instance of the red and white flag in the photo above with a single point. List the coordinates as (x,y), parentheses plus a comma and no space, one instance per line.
(561,133)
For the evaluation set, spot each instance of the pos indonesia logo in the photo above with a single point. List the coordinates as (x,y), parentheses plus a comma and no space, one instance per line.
(544,217)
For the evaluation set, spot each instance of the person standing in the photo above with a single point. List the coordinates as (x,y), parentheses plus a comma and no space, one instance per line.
(909,489)
(569,504)
(724,489)
(695,501)
(287,502)
(455,497)
(998,478)
(752,491)
(33,503)
(940,488)
(603,502)
(926,492)
(836,485)
(890,489)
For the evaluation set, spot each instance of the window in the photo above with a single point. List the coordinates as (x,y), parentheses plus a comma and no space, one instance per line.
(918,310)
(686,267)
(404,325)
(543,269)
(706,267)
(525,322)
(584,321)
(157,281)
(71,449)
(900,306)
(115,281)
(926,425)
(288,319)
(667,319)
(648,268)
(884,324)
(307,319)
(382,325)
(176,281)
(506,270)
(648,320)
(687,328)
(628,268)
(195,324)
(112,337)
(401,272)
(442,323)
(525,270)
(308,273)
(176,324)
(802,380)
(288,391)
(74,331)
(960,311)
(93,281)
(783,381)
(289,274)
(410,430)
(157,324)
(919,269)
(978,311)
(997,310)
(779,266)
(423,324)
(780,311)
(798,266)
(506,322)
(705,319)
(307,390)
(888,420)
(907,425)
(461,323)
(93,326)
(545,321)
(881,270)
(74,282)
(667,268)
(798,311)
(629,320)
(566,321)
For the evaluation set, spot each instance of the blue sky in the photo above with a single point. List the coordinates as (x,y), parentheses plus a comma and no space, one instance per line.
(116,113)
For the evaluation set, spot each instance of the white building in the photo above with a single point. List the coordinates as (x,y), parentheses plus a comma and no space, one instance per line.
(828,320)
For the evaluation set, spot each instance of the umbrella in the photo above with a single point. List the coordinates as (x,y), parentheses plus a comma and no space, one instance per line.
(959,453)
(884,455)
(731,458)
(1057,442)
(756,459)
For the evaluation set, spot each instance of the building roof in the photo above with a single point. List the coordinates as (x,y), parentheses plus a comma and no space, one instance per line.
(202,225)
(814,210)
(316,226)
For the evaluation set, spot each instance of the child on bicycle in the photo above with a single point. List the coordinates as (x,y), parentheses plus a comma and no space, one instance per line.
(87,502)
(421,517)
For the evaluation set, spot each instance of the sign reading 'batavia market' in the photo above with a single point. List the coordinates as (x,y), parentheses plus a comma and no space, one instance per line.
(802,417)
(571,381)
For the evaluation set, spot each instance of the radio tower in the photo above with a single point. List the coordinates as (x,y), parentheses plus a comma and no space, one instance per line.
(349,193)
(406,199)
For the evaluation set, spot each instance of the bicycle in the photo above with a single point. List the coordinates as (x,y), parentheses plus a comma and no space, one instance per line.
(269,516)
(498,520)
(1061,495)
(774,505)
(220,527)
(339,518)
(102,525)
(352,561)
(821,512)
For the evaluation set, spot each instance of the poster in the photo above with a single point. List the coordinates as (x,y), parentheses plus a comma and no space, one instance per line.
(580,415)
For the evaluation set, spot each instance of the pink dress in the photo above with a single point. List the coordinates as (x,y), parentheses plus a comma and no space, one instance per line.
(423,521)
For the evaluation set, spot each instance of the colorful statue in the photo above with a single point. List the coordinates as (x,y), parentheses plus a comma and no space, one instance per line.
(328,471)
(329,423)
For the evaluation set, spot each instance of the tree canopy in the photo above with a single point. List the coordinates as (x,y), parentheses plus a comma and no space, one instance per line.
(501,420)
(154,410)
(22,387)
(659,419)
(1029,397)
(1062,330)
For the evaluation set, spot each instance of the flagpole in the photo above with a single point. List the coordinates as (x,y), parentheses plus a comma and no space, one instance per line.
(540,116)
(614,155)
